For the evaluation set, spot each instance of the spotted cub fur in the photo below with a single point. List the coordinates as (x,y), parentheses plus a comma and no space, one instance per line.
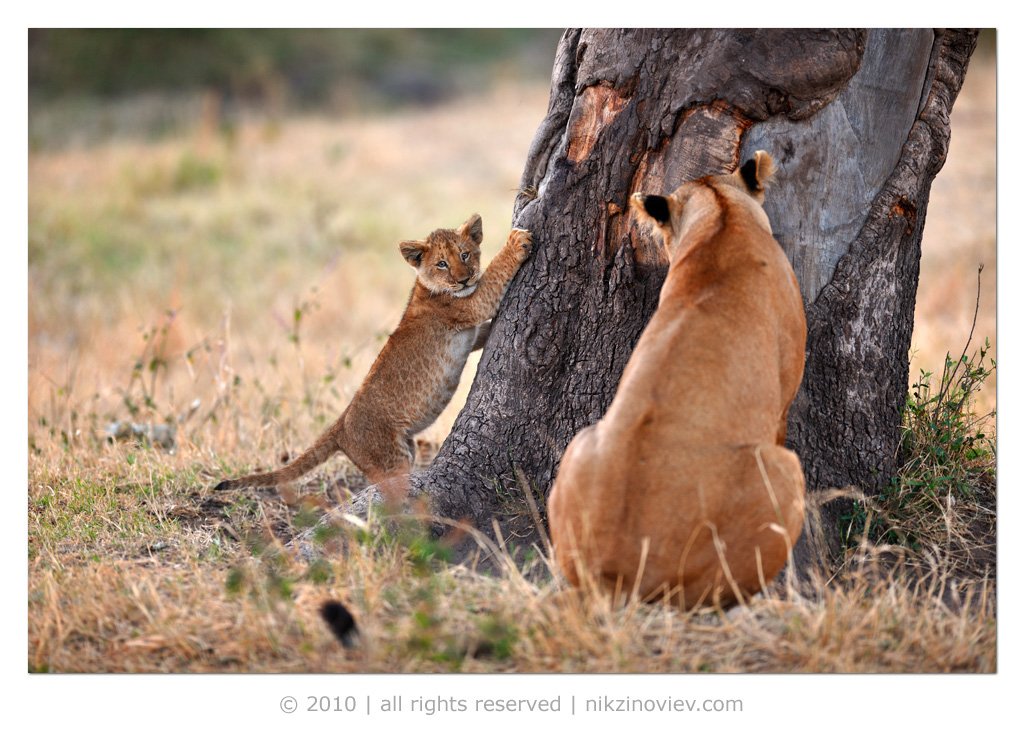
(417,371)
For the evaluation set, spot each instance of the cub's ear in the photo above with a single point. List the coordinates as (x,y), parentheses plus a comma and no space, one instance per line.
(473,229)
(756,171)
(412,251)
(653,208)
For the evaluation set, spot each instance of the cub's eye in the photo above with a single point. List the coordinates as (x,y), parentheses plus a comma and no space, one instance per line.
(465,255)
(442,264)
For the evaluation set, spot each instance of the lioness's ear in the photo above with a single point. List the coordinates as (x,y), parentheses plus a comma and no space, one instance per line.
(412,251)
(473,229)
(654,207)
(756,171)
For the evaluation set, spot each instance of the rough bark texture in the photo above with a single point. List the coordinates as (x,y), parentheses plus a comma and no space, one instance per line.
(858,122)
(860,309)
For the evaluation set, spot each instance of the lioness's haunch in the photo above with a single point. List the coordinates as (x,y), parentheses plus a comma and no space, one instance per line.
(417,371)
(684,487)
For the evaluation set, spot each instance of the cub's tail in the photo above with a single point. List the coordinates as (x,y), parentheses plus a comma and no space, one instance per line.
(340,621)
(324,447)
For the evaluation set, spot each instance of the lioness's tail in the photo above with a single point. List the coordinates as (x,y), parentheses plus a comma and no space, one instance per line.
(324,447)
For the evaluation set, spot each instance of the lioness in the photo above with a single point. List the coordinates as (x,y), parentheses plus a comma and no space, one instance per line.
(417,371)
(684,489)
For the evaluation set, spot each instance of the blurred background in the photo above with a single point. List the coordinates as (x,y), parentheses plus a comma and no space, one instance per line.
(152,83)
(214,215)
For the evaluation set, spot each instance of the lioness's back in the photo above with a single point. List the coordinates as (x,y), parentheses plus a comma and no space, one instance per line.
(689,475)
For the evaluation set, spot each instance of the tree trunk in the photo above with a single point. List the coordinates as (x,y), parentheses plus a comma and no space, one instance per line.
(858,124)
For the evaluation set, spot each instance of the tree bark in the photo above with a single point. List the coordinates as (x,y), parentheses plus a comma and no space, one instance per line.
(858,124)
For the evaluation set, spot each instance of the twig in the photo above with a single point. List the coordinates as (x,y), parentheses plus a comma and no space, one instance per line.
(944,387)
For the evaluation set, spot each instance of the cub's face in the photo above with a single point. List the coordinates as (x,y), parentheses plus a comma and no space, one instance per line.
(448,261)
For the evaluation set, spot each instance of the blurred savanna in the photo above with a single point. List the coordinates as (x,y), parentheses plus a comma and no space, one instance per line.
(214,220)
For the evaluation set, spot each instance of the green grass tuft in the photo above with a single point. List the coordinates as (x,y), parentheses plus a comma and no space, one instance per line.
(948,453)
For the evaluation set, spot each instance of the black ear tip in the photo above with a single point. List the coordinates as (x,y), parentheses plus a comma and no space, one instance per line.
(749,174)
(340,621)
(657,207)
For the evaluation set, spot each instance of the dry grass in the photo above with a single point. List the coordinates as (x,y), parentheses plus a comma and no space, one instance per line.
(417,614)
(236,235)
(275,251)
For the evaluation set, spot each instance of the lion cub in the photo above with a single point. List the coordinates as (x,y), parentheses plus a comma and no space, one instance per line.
(684,489)
(417,371)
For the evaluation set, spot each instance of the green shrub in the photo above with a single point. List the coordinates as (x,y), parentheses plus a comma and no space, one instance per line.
(947,450)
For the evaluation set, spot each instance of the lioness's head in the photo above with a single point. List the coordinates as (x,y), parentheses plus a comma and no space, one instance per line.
(701,202)
(448,261)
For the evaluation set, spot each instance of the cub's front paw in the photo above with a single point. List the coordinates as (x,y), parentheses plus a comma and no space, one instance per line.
(522,241)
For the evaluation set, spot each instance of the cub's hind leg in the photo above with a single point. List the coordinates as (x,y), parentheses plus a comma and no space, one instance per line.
(386,458)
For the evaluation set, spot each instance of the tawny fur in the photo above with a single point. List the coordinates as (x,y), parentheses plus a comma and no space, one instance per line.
(683,488)
(417,371)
